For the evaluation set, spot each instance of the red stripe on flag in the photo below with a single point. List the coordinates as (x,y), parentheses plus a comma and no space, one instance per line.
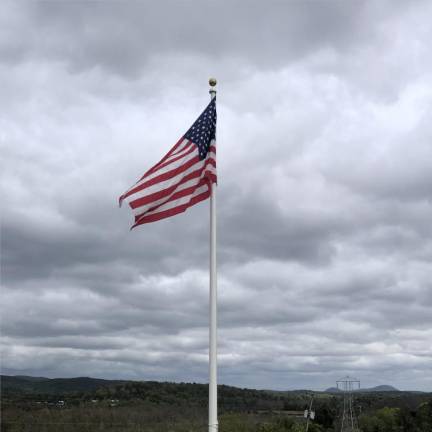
(162,177)
(176,146)
(177,195)
(171,212)
(176,158)
(139,202)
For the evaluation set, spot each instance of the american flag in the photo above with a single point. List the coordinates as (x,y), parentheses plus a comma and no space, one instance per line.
(182,178)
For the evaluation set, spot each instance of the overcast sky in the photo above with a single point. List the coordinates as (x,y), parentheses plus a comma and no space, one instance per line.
(324,196)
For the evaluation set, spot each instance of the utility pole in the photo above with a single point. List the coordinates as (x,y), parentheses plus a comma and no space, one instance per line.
(309,414)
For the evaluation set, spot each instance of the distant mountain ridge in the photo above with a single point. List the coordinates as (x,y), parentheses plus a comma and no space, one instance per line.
(28,384)
(380,388)
(42,385)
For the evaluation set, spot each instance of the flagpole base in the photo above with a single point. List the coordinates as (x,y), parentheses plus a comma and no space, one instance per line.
(213,427)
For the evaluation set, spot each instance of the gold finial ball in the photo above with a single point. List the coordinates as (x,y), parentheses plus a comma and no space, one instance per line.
(212,81)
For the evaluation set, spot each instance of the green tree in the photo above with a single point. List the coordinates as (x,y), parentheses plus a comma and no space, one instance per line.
(423,419)
(384,420)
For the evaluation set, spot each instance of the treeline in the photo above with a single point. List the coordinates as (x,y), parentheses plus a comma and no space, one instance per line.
(229,398)
(176,394)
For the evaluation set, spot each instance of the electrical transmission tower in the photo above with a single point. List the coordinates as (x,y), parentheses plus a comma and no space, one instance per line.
(349,419)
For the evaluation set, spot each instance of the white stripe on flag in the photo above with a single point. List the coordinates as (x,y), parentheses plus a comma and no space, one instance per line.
(183,146)
(180,201)
(170,182)
(164,184)
(142,209)
(169,167)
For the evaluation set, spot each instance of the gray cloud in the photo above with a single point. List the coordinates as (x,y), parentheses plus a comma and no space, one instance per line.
(324,195)
(77,31)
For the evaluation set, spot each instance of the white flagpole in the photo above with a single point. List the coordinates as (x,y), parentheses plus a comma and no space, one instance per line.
(213,418)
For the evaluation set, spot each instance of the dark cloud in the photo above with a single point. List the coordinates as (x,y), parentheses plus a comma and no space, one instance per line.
(121,37)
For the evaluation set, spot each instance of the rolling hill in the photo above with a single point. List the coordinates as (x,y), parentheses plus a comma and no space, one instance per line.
(380,388)
(27,384)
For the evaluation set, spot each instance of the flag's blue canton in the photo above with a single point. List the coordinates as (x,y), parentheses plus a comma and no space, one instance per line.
(203,131)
